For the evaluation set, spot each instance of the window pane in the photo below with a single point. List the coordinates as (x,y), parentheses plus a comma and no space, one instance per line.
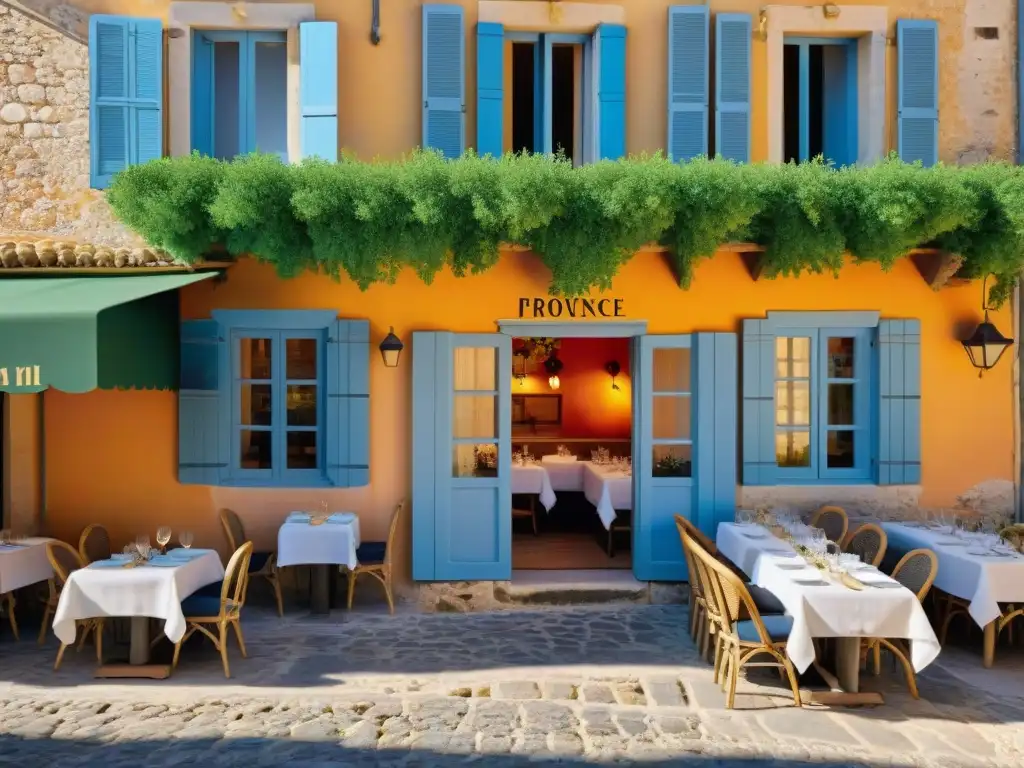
(479,460)
(300,358)
(792,357)
(255,449)
(671,370)
(840,404)
(302,408)
(840,357)
(256,405)
(793,449)
(672,461)
(476,368)
(226,112)
(271,97)
(840,449)
(301,450)
(474,416)
(671,417)
(792,403)
(255,359)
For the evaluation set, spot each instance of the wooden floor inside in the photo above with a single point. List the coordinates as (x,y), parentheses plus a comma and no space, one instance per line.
(566,551)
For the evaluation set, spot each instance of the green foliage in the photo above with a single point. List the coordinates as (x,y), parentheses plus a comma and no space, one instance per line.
(369,221)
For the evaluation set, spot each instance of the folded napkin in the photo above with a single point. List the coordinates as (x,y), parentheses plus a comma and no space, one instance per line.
(554,458)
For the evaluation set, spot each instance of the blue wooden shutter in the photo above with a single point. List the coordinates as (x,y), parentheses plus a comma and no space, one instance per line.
(687,81)
(611,91)
(202,94)
(202,404)
(490,82)
(917,44)
(899,386)
(732,89)
(425,360)
(714,435)
(758,403)
(318,89)
(444,80)
(348,403)
(125,94)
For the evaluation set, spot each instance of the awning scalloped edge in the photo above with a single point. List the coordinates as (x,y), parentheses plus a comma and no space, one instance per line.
(64,254)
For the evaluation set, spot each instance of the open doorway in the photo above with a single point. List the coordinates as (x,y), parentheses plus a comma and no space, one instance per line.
(571,481)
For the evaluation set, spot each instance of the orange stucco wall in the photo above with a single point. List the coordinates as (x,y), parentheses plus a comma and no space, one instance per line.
(111,456)
(591,409)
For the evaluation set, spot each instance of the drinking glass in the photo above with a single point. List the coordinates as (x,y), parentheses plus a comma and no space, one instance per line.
(185,539)
(142,541)
(5,536)
(163,536)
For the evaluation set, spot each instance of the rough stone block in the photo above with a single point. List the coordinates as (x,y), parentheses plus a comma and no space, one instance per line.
(594,693)
(515,689)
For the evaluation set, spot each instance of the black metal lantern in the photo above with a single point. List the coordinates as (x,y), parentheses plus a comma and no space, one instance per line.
(391,349)
(614,369)
(553,365)
(986,345)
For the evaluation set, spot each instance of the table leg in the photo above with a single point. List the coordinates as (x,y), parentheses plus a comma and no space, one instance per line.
(138,665)
(139,653)
(848,663)
(320,589)
(844,687)
(990,645)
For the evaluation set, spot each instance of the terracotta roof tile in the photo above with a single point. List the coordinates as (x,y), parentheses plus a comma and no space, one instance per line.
(61,254)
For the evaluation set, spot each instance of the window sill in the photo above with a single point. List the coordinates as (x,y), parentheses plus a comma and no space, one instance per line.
(285,483)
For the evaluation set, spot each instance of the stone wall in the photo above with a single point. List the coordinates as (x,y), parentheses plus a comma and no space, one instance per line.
(44,136)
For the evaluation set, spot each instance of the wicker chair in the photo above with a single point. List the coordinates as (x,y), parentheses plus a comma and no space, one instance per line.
(739,639)
(833,521)
(64,560)
(10,602)
(223,611)
(868,542)
(375,558)
(916,571)
(263,564)
(698,604)
(94,544)
(530,512)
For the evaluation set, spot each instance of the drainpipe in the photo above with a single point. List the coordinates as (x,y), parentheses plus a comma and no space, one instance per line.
(1020,81)
(1018,315)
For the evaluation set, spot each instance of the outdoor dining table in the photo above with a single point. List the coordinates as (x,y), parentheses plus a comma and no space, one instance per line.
(564,472)
(968,571)
(533,479)
(110,589)
(608,490)
(302,540)
(822,607)
(22,564)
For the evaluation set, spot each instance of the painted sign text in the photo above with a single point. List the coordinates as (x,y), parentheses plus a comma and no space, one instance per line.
(24,376)
(538,307)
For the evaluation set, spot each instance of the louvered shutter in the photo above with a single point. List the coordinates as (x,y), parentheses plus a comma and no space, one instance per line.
(899,380)
(917,43)
(444,121)
(490,76)
(348,403)
(732,87)
(611,91)
(318,89)
(203,404)
(759,462)
(687,81)
(125,94)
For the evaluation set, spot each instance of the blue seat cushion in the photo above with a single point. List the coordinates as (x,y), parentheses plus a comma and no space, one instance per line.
(258,560)
(766,602)
(778,629)
(371,552)
(210,590)
(200,605)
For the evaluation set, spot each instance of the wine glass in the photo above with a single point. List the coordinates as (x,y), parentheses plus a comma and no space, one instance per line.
(163,537)
(142,541)
(185,539)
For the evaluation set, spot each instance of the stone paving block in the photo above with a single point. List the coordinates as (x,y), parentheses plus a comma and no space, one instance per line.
(664,692)
(630,693)
(565,744)
(632,723)
(362,735)
(494,744)
(807,724)
(558,689)
(491,717)
(515,689)
(675,725)
(548,716)
(598,722)
(530,744)
(597,693)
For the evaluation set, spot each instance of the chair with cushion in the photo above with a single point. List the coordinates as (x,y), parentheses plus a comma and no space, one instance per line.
(64,560)
(9,601)
(868,542)
(742,633)
(698,603)
(375,560)
(833,521)
(222,611)
(916,571)
(94,544)
(263,564)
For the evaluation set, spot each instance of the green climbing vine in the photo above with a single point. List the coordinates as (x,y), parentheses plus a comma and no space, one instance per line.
(371,220)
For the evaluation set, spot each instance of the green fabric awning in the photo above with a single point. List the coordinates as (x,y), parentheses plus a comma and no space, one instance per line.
(77,334)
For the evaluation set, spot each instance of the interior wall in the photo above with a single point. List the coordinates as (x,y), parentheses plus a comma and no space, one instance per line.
(591,409)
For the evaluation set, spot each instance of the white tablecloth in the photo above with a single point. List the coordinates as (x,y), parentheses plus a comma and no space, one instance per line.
(607,490)
(23,564)
(827,611)
(331,543)
(564,473)
(103,590)
(533,478)
(986,581)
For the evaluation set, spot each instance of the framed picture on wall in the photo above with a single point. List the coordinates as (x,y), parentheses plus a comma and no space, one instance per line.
(531,410)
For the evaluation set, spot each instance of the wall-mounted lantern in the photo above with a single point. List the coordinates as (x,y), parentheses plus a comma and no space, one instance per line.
(553,366)
(391,349)
(614,369)
(986,345)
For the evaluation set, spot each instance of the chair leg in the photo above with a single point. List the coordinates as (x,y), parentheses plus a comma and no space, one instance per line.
(223,648)
(11,617)
(533,514)
(60,656)
(45,625)
(718,656)
(99,641)
(237,626)
(275,583)
(908,668)
(733,679)
(793,683)
(86,629)
(351,588)
(877,658)
(388,595)
(177,653)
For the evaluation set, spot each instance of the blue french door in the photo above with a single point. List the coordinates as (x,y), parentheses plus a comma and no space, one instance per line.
(684,444)
(462,448)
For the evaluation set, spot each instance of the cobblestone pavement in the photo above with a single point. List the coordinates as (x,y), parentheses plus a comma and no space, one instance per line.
(588,685)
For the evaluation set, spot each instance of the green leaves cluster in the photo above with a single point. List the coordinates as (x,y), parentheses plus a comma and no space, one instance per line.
(371,220)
